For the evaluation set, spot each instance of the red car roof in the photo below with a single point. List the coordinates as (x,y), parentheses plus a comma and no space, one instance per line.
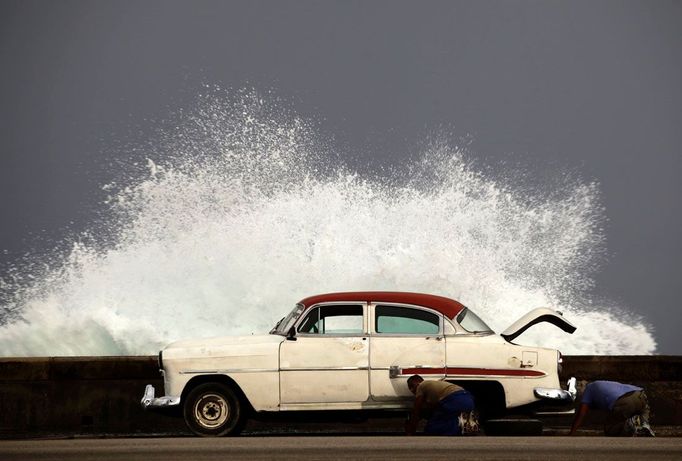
(446,306)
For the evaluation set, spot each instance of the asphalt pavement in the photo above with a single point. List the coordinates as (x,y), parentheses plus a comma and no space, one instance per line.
(344,447)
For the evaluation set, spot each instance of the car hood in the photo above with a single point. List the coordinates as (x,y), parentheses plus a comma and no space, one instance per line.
(541,314)
(235,346)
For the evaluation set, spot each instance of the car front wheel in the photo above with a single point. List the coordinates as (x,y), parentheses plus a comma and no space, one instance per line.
(213,410)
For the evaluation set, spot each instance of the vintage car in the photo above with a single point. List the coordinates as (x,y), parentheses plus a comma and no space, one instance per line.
(355,351)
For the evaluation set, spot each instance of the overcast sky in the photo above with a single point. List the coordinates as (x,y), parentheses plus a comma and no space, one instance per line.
(590,87)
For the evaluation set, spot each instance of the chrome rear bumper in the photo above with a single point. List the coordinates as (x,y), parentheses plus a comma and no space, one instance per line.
(558,395)
(149,402)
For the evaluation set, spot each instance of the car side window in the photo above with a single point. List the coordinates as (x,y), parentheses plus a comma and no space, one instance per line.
(333,320)
(405,320)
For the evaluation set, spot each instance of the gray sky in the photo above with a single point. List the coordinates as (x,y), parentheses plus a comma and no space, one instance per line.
(593,87)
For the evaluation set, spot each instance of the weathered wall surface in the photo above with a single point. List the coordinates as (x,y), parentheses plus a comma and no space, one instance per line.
(101,395)
(79,395)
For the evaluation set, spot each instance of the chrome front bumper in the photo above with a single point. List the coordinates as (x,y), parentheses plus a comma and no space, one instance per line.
(558,395)
(149,402)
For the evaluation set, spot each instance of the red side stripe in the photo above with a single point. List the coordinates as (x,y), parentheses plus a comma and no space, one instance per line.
(471,372)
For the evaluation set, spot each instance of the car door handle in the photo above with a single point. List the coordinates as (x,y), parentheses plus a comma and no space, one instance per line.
(437,338)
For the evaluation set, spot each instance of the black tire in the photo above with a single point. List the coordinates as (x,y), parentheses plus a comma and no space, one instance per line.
(213,410)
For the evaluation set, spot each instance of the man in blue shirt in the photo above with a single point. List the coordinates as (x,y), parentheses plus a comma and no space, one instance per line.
(627,406)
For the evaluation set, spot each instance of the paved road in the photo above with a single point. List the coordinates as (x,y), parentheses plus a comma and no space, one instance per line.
(344,447)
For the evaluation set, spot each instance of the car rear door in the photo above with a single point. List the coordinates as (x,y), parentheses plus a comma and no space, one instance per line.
(405,340)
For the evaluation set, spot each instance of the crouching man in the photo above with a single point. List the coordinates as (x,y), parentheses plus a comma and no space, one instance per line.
(444,401)
(627,406)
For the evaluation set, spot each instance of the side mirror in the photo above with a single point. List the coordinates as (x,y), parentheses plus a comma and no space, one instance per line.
(291,335)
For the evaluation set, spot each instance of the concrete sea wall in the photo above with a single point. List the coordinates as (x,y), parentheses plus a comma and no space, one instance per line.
(101,395)
(79,395)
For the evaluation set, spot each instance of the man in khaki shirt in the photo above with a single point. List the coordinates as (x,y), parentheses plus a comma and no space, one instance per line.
(446,402)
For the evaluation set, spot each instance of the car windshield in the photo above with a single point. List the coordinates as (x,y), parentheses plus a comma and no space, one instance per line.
(284,325)
(472,323)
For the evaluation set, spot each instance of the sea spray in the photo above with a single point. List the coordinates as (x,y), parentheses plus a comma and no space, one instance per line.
(240,208)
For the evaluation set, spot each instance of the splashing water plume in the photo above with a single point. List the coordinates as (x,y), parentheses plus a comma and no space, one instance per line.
(243,210)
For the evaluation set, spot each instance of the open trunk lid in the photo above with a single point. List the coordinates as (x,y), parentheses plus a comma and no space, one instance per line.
(541,314)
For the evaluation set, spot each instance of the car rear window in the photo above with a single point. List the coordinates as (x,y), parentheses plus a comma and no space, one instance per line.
(405,320)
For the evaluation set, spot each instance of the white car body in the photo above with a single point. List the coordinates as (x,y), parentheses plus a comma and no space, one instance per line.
(355,351)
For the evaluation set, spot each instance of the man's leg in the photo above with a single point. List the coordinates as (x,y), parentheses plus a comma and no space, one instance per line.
(643,429)
(440,422)
(627,406)
(445,420)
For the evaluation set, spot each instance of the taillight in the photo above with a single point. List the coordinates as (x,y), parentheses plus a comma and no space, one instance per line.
(560,361)
(160,360)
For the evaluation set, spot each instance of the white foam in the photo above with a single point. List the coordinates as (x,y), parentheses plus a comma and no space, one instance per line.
(243,211)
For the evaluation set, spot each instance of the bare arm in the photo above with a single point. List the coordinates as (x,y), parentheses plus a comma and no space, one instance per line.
(411,426)
(579,416)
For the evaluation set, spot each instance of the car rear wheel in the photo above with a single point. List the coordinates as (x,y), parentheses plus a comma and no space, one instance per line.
(213,410)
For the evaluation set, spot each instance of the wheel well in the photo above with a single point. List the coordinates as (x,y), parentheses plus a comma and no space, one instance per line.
(221,379)
(489,397)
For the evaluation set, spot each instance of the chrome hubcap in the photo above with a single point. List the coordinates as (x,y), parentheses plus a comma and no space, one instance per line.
(211,411)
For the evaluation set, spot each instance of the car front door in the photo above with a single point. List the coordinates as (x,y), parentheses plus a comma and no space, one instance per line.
(408,339)
(328,359)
